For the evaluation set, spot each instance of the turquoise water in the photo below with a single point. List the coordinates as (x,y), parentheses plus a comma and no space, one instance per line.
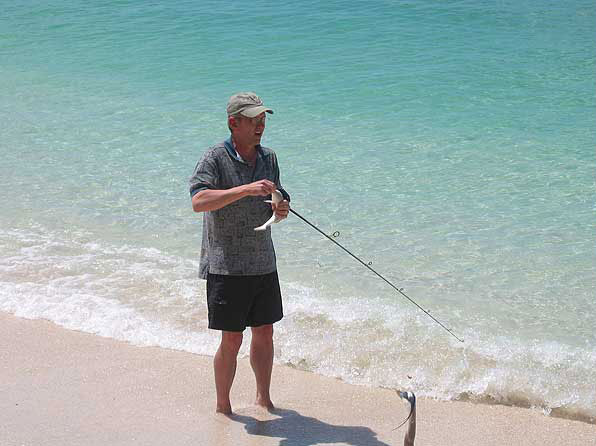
(450,143)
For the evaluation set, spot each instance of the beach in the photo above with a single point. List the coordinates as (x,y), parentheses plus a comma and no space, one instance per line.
(63,387)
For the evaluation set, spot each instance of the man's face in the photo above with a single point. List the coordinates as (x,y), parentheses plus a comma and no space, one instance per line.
(249,131)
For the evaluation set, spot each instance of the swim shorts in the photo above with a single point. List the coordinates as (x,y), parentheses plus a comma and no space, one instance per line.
(237,302)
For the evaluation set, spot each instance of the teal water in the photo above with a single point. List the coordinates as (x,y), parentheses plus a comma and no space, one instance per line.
(451,143)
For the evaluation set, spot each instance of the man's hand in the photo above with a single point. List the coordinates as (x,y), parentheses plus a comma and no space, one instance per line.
(260,188)
(282,209)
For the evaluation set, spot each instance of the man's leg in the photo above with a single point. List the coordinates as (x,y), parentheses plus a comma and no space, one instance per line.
(224,366)
(261,360)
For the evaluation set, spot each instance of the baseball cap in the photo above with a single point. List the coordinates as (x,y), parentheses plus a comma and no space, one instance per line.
(247,104)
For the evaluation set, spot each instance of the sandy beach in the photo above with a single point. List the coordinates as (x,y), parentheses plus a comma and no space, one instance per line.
(61,387)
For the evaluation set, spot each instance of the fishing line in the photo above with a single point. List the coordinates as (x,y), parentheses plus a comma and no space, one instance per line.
(367,265)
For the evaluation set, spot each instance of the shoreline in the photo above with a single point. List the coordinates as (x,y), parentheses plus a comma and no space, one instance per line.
(69,387)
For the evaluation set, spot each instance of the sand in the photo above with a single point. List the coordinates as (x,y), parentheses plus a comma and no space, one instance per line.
(62,387)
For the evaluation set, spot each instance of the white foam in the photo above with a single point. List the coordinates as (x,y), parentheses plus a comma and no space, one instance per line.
(106,290)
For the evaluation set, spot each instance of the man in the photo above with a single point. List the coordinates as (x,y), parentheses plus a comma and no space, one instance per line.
(229,186)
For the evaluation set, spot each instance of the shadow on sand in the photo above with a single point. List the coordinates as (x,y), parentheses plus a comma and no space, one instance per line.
(297,430)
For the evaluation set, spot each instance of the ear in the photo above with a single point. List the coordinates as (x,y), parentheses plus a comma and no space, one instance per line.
(232,122)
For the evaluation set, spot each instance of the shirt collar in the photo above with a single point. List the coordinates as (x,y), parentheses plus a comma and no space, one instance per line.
(234,153)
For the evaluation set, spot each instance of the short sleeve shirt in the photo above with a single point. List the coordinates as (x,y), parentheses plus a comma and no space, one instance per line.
(230,245)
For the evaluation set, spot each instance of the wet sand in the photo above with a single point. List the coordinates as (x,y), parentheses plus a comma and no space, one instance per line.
(62,387)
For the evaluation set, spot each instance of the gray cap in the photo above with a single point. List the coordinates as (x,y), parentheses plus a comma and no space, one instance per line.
(247,104)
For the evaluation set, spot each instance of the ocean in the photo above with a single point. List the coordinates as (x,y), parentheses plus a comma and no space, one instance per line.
(452,144)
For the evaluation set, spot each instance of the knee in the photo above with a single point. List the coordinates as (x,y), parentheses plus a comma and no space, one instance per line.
(231,341)
(264,333)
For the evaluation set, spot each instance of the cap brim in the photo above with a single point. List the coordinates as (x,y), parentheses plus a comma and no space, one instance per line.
(255,111)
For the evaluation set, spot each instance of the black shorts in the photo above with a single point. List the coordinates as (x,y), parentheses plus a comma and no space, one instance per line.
(237,302)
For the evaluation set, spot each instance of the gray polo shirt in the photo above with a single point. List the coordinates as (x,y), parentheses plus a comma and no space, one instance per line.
(230,244)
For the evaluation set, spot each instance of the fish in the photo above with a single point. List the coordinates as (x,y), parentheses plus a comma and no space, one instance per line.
(276,198)
(411,419)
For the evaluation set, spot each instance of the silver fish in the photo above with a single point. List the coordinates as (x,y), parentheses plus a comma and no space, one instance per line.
(411,419)
(276,197)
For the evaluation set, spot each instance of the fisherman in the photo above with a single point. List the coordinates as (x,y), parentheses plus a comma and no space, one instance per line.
(229,185)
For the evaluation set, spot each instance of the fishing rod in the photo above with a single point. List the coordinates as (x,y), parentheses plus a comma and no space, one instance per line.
(367,265)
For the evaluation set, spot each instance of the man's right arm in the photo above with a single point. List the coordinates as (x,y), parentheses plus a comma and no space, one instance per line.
(214,199)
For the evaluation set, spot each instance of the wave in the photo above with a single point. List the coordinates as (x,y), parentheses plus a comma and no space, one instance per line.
(151,298)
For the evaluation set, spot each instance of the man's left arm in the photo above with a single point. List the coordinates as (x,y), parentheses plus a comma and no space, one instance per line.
(282,209)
